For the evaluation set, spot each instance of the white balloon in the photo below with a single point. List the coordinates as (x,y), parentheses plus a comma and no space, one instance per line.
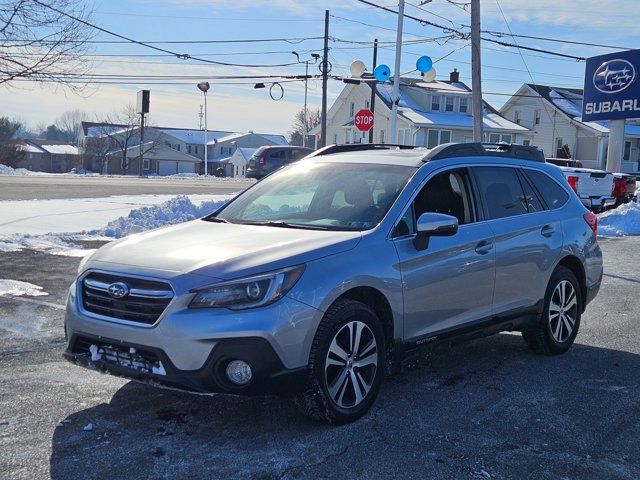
(429,76)
(357,68)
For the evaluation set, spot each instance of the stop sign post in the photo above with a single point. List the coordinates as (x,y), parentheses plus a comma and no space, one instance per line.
(363,120)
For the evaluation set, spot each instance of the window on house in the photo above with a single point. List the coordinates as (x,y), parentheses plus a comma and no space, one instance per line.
(464,104)
(448,106)
(195,149)
(627,151)
(146,164)
(435,102)
(188,148)
(536,117)
(526,143)
(437,137)
(516,116)
(404,136)
(381,136)
(352,109)
(499,138)
(560,153)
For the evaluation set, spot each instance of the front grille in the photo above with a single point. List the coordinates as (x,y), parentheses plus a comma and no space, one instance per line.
(141,360)
(144,301)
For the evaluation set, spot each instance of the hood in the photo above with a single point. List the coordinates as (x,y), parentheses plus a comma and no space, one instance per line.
(224,250)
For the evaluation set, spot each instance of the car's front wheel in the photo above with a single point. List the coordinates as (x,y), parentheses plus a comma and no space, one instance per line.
(558,325)
(345,364)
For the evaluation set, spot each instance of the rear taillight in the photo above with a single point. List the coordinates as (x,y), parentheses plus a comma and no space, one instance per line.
(573,182)
(592,220)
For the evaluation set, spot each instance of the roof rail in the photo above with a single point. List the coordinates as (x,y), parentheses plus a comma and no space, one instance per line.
(357,147)
(449,150)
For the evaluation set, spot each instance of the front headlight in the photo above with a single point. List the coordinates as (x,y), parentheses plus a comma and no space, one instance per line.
(248,292)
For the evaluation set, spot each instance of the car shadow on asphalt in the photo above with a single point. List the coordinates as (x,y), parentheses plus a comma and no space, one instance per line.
(488,403)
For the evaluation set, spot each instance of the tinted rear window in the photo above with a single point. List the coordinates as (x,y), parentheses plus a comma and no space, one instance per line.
(501,190)
(553,194)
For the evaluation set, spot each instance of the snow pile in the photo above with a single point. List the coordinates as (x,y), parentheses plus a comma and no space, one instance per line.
(624,220)
(52,243)
(6,170)
(177,210)
(17,288)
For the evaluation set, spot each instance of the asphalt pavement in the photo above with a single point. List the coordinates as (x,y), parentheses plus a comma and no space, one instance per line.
(42,187)
(485,409)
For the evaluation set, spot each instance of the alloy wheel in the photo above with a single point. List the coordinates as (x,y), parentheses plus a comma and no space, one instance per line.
(351,364)
(563,309)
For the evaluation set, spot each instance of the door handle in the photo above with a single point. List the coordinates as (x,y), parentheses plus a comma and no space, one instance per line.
(484,247)
(547,231)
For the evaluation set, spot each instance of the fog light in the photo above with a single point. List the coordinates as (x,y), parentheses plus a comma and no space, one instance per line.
(239,372)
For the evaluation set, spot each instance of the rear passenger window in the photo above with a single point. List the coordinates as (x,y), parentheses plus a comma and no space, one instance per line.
(553,194)
(531,197)
(501,191)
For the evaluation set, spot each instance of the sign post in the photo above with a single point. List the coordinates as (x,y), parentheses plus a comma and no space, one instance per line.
(363,120)
(612,92)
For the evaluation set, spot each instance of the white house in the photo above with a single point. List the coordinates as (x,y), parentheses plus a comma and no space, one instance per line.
(554,115)
(236,164)
(428,114)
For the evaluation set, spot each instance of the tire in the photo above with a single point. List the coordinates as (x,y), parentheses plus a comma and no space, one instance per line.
(560,320)
(343,381)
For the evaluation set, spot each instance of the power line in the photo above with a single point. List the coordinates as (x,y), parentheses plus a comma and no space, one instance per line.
(225,19)
(464,35)
(147,43)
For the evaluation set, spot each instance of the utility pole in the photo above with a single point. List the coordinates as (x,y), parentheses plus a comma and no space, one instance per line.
(141,144)
(372,103)
(306,125)
(476,79)
(200,116)
(325,75)
(396,76)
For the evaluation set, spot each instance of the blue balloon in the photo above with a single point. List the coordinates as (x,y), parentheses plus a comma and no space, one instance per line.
(382,73)
(424,64)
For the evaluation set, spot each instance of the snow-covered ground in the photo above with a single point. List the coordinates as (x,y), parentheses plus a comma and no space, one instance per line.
(17,288)
(55,226)
(624,220)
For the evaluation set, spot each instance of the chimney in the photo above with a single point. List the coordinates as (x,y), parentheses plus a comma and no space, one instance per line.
(454,76)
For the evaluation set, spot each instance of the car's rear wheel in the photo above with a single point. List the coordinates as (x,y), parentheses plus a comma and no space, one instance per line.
(558,325)
(345,364)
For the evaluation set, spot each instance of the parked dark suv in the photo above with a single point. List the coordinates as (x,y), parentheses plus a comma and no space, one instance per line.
(268,159)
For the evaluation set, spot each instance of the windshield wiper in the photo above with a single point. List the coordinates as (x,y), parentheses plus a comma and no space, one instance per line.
(215,220)
(281,224)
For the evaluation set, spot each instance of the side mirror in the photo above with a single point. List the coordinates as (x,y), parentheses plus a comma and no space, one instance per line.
(434,225)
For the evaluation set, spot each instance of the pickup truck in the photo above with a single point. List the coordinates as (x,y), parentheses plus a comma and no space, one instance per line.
(593,187)
(624,188)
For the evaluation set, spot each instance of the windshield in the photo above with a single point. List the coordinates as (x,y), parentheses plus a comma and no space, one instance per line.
(324,196)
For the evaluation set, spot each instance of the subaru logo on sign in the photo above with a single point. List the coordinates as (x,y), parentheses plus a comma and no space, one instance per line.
(118,289)
(614,76)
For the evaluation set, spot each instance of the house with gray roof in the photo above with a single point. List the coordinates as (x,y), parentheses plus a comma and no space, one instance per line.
(554,115)
(429,114)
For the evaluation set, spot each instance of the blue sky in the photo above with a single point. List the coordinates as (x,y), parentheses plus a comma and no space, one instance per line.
(240,107)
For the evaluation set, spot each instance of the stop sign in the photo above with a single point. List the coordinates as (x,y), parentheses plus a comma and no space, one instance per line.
(363,119)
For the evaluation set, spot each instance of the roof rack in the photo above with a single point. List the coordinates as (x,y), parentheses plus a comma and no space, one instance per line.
(449,150)
(357,147)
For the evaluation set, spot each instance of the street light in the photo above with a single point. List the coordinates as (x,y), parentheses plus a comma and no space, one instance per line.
(204,88)
(306,79)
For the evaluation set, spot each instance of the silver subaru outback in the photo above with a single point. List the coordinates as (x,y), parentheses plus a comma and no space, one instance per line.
(324,276)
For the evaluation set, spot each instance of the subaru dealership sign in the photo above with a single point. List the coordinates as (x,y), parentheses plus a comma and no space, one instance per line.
(612,87)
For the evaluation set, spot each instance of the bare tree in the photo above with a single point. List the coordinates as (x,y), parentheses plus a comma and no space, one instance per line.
(44,41)
(117,134)
(314,116)
(70,124)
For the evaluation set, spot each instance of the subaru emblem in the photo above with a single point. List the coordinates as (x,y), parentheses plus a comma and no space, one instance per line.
(614,76)
(118,289)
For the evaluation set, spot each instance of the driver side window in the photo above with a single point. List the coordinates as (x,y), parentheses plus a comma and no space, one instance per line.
(446,193)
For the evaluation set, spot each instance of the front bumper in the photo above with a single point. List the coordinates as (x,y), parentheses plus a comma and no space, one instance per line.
(195,345)
(153,366)
(598,202)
